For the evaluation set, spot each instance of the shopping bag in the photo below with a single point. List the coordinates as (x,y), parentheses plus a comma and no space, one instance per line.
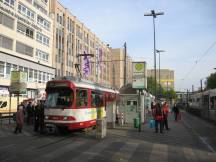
(152,123)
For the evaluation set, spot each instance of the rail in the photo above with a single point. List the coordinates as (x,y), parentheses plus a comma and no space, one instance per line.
(4,115)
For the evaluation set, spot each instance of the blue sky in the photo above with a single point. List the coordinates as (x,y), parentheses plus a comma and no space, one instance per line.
(185,32)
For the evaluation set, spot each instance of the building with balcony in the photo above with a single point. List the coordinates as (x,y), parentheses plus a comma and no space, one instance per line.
(26,42)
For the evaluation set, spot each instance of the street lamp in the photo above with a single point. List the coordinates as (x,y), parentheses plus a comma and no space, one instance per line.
(154,15)
(159,51)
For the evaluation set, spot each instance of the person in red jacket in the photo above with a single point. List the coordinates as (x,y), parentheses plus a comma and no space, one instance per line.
(165,110)
(158,116)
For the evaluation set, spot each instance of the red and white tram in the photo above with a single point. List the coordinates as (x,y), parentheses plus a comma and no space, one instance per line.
(75,104)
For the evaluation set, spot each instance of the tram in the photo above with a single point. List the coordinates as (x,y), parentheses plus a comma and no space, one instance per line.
(75,103)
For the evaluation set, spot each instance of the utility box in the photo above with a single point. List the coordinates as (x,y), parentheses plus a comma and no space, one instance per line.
(111,114)
(101,128)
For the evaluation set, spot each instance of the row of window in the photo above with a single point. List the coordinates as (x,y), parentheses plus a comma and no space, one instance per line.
(26,11)
(9,22)
(41,55)
(22,48)
(33,75)
(42,38)
(9,3)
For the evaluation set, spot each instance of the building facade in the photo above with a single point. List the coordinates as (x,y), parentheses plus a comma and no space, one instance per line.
(72,40)
(26,42)
(118,67)
(166,77)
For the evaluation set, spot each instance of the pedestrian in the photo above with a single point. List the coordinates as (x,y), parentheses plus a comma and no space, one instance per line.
(158,117)
(176,112)
(28,110)
(165,110)
(36,116)
(19,119)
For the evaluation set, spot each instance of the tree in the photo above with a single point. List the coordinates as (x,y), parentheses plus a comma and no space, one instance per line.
(211,81)
(171,94)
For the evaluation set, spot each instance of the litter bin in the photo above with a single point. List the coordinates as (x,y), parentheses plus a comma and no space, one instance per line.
(136,122)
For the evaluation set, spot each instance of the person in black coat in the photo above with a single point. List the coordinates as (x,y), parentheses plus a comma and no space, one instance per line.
(176,112)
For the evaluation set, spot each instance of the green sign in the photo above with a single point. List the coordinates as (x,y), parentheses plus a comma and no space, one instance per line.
(139,75)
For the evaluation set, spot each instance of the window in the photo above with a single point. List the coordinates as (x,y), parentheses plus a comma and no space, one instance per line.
(6,21)
(35,75)
(39,7)
(42,39)
(42,55)
(2,66)
(59,98)
(6,42)
(96,99)
(8,69)
(9,3)
(81,97)
(30,77)
(24,49)
(25,30)
(43,22)
(26,11)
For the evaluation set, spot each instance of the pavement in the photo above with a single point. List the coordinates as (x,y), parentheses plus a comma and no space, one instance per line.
(189,140)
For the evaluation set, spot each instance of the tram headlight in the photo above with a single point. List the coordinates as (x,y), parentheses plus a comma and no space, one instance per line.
(46,117)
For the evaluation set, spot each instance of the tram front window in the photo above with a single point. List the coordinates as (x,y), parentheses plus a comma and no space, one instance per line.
(59,98)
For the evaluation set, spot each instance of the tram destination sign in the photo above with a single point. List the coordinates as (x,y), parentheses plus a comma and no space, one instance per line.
(139,75)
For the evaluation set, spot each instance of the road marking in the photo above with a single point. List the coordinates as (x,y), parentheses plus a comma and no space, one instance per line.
(204,140)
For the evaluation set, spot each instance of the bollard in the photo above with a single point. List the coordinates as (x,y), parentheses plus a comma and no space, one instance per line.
(122,118)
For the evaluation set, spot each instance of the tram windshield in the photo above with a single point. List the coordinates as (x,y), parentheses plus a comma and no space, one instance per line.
(59,98)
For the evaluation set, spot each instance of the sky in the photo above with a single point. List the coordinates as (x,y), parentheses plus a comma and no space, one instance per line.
(186,31)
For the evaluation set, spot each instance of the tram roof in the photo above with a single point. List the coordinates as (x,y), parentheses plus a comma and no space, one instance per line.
(82,83)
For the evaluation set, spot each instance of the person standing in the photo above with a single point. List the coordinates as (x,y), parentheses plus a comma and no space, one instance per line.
(165,110)
(158,117)
(19,119)
(176,112)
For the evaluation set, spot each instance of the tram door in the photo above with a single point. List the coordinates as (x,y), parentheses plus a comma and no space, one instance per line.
(131,110)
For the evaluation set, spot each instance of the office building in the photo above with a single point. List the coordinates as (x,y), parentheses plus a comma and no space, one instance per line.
(26,42)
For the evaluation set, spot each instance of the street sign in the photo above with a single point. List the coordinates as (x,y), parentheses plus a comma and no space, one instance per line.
(18,82)
(139,75)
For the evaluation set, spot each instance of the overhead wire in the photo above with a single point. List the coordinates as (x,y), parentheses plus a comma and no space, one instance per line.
(198,60)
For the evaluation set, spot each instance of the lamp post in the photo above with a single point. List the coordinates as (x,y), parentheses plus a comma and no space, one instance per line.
(154,15)
(159,51)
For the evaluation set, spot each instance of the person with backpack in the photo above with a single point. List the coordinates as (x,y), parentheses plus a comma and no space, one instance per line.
(158,117)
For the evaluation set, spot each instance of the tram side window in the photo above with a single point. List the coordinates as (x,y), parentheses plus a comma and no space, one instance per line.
(81,97)
(97,99)
(213,102)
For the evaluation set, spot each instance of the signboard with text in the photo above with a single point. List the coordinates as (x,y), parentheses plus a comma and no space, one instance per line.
(18,82)
(139,75)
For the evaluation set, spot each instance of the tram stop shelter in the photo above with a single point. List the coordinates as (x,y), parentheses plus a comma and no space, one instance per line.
(130,106)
